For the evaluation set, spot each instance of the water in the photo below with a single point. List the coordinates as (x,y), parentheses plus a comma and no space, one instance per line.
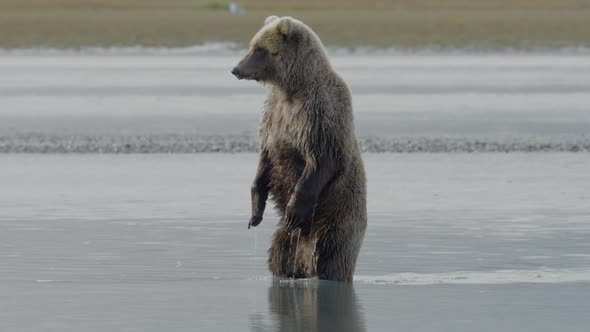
(455,242)
(157,239)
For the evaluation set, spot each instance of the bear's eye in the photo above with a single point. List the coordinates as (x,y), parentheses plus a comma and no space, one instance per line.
(261,50)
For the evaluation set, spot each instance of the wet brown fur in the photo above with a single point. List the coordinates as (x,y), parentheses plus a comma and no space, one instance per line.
(310,162)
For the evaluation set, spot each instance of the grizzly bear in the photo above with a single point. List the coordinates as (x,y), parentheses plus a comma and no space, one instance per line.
(310,161)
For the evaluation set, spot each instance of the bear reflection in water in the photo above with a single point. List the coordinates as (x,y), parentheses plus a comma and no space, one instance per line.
(311,305)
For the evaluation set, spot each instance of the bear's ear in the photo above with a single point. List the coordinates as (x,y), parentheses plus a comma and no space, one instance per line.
(270,19)
(285,26)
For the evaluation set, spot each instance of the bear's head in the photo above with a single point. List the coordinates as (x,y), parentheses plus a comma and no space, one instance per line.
(279,51)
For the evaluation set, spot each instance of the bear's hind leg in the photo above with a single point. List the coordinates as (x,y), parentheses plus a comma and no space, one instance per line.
(290,255)
(336,253)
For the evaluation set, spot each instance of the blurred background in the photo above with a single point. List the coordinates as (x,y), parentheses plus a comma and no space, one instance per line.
(127,150)
(426,75)
(465,24)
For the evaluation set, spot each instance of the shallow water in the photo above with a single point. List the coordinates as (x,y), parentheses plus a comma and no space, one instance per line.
(456,242)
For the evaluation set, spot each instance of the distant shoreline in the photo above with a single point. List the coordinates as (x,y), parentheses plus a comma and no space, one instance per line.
(193,143)
(493,25)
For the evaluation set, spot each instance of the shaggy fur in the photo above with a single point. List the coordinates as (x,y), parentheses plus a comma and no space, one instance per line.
(310,161)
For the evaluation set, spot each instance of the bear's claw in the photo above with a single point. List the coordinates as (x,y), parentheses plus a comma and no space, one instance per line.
(254,221)
(292,221)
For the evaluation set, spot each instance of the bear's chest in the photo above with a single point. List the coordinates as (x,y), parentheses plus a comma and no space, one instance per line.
(284,125)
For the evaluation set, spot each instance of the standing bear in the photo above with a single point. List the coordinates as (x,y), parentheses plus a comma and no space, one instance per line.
(310,160)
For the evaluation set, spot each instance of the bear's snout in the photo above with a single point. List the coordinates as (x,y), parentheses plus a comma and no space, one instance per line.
(236,72)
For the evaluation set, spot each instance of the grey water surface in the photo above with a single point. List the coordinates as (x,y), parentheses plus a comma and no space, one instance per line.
(455,242)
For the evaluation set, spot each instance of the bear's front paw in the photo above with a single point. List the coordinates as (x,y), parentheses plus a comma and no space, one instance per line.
(254,221)
(298,218)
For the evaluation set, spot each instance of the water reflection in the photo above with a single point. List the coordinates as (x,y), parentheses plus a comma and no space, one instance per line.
(311,305)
